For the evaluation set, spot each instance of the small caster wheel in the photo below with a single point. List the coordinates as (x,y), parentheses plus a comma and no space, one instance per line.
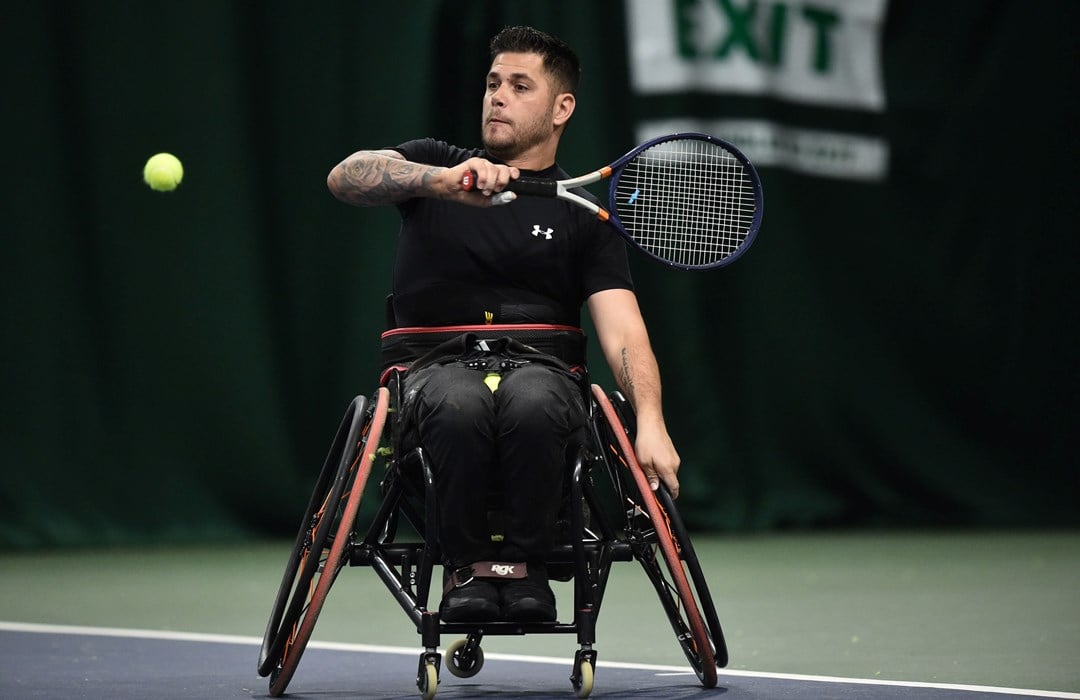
(463,659)
(427,676)
(583,680)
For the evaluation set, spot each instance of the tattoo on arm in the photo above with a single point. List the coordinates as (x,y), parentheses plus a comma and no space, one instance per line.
(626,377)
(371,179)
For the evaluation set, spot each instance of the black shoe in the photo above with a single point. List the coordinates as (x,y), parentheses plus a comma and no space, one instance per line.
(476,601)
(529,599)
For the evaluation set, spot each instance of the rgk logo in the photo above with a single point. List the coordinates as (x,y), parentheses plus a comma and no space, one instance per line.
(503,569)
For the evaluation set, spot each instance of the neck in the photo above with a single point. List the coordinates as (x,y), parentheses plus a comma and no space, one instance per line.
(539,157)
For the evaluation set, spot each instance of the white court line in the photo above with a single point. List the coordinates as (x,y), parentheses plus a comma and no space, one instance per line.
(410,651)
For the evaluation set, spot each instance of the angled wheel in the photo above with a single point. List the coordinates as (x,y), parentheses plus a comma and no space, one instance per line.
(697,577)
(321,544)
(315,531)
(661,546)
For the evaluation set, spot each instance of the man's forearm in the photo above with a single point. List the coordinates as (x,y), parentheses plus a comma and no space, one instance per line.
(638,376)
(369,179)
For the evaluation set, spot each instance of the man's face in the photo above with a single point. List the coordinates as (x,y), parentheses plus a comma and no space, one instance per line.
(518,105)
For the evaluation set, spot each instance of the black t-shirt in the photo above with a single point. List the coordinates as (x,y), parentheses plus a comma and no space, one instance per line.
(535,260)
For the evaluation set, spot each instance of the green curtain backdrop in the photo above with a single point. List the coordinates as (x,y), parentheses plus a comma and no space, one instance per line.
(895,353)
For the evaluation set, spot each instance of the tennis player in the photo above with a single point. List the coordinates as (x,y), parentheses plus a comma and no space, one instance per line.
(496,409)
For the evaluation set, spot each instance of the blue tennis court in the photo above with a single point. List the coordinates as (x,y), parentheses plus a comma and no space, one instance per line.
(64,662)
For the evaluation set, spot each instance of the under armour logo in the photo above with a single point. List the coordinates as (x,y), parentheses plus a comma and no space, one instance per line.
(546,234)
(504,569)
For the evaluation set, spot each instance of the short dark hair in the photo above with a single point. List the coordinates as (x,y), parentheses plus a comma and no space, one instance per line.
(559,59)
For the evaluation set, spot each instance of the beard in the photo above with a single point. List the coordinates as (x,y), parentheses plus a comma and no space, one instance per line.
(509,141)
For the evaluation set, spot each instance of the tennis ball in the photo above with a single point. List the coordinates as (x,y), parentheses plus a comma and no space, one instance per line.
(163,172)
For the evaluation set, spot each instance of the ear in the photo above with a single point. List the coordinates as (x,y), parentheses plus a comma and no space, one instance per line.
(563,108)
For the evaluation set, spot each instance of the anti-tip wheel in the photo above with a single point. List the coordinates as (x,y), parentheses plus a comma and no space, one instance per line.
(462,663)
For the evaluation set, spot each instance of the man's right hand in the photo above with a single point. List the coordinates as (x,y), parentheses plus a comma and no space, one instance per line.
(491,178)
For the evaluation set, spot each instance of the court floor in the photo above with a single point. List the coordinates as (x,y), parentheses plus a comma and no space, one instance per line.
(940,611)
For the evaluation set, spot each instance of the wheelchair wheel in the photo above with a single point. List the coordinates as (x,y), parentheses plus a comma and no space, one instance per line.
(697,576)
(584,670)
(583,686)
(320,548)
(464,658)
(650,528)
(314,532)
(428,680)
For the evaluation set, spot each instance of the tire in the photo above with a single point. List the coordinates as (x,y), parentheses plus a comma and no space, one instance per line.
(461,662)
(428,683)
(583,680)
(697,576)
(320,548)
(649,530)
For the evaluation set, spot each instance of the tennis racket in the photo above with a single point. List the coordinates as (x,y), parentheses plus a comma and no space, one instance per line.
(691,201)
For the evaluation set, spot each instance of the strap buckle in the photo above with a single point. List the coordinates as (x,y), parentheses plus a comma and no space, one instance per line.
(460,577)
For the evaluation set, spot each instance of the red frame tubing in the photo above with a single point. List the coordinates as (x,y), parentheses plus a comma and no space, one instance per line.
(664,538)
(294,648)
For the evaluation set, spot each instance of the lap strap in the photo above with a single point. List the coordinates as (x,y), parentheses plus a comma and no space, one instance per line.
(423,345)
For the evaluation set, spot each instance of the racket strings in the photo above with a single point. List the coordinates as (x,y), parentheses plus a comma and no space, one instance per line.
(687,201)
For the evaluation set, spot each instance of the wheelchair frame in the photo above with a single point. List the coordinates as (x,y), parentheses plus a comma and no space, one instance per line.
(646,524)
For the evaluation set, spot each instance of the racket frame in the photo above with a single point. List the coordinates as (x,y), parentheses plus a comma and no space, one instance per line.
(561,189)
(615,170)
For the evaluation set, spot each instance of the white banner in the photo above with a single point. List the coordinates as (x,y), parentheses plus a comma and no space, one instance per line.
(822,52)
(809,151)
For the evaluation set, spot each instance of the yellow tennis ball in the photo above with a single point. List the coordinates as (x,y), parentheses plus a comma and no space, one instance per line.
(163,172)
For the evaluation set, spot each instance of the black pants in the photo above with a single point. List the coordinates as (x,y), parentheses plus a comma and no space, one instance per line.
(516,437)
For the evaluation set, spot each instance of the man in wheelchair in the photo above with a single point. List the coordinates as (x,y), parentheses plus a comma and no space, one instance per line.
(486,312)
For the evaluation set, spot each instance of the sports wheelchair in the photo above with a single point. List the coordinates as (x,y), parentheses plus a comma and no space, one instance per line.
(597,529)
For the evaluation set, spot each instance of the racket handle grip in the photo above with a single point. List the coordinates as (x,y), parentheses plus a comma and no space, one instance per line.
(535,186)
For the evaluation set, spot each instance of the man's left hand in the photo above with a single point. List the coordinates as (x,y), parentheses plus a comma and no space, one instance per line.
(657,456)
